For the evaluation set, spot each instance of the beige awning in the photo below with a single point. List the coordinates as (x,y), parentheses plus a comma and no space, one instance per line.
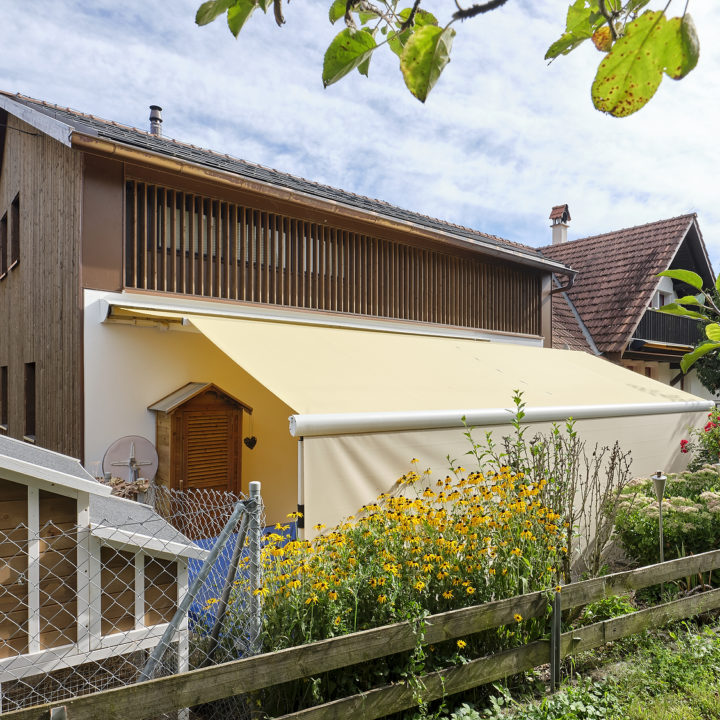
(324,370)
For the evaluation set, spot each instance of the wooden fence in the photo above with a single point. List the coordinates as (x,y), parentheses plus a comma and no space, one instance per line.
(148,699)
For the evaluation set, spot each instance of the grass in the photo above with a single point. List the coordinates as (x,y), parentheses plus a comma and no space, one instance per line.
(670,674)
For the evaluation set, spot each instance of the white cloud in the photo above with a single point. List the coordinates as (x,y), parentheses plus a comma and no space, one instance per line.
(501,139)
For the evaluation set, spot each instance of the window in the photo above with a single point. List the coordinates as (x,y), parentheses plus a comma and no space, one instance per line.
(15,231)
(29,402)
(3,246)
(3,400)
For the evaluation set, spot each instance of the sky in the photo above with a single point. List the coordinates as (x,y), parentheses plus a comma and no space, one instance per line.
(502,138)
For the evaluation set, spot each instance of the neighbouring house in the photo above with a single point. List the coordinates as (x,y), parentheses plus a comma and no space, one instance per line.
(612,308)
(85,578)
(149,287)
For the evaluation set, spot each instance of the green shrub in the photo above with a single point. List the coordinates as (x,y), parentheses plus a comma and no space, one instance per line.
(606,609)
(704,444)
(691,516)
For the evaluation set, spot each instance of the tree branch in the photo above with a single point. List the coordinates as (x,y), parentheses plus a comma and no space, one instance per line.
(609,17)
(477,9)
(411,17)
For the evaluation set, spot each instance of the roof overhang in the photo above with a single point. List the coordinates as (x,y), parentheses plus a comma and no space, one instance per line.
(105,146)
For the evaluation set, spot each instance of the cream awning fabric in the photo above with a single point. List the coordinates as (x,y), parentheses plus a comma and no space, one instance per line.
(323,370)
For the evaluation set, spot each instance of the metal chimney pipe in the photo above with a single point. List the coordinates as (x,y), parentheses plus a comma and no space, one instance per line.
(155,120)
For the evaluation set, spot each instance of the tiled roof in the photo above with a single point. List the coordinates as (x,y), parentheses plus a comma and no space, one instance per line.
(567,330)
(560,212)
(92,125)
(617,275)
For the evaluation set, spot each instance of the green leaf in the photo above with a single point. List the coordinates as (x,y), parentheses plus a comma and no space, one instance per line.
(366,17)
(686,276)
(337,11)
(682,47)
(583,18)
(422,17)
(425,56)
(689,300)
(700,351)
(209,10)
(348,49)
(265,5)
(238,14)
(397,41)
(675,309)
(631,72)
(364,67)
(713,332)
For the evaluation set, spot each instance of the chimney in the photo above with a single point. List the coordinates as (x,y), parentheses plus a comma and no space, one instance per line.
(155,120)
(560,216)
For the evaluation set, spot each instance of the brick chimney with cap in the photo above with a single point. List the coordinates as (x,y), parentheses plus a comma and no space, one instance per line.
(560,216)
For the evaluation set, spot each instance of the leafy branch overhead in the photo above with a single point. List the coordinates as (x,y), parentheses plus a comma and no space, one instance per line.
(702,306)
(640,44)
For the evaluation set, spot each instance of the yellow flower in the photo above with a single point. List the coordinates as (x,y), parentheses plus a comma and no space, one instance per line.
(262,591)
(516,551)
(419,585)
(558,588)
(448,594)
(469,589)
(381,599)
(312,600)
(414,461)
(294,515)
(319,527)
(333,595)
(461,644)
(518,617)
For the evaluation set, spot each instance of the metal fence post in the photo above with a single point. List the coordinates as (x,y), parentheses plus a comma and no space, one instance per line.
(555,637)
(255,567)
(186,602)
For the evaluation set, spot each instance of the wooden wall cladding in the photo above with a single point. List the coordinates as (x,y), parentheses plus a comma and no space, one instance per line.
(117,583)
(40,298)
(160,590)
(13,569)
(180,242)
(58,570)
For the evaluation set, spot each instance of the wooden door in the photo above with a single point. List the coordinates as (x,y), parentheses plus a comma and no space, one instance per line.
(211,449)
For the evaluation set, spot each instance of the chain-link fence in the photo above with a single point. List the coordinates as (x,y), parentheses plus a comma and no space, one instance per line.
(143,590)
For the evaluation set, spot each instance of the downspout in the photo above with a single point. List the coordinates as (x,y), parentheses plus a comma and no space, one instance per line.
(565,288)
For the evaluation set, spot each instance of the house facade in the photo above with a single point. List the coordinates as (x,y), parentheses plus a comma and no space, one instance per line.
(613,306)
(257,326)
(92,210)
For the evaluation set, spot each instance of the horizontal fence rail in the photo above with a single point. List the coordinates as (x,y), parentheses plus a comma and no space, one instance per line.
(178,242)
(167,694)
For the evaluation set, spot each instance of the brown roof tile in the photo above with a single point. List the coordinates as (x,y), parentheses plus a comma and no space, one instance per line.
(567,333)
(560,212)
(617,276)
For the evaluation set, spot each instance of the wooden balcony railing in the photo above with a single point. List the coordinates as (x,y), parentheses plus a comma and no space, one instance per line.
(660,327)
(177,242)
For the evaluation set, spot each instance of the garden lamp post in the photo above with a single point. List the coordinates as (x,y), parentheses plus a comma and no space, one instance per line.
(659,481)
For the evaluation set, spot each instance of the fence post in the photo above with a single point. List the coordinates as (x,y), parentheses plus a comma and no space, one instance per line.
(555,637)
(184,606)
(255,567)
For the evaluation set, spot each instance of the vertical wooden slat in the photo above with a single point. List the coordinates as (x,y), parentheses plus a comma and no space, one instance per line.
(232,253)
(254,248)
(266,257)
(242,253)
(135,237)
(172,278)
(152,236)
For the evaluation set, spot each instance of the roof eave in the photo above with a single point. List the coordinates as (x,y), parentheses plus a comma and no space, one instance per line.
(105,146)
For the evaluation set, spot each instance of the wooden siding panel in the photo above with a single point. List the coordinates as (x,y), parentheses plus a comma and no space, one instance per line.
(58,570)
(259,256)
(40,301)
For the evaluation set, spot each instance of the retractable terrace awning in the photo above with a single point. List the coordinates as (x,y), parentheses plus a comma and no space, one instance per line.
(367,401)
(330,371)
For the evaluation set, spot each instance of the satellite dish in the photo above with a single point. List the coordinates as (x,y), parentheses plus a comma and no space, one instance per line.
(131,457)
